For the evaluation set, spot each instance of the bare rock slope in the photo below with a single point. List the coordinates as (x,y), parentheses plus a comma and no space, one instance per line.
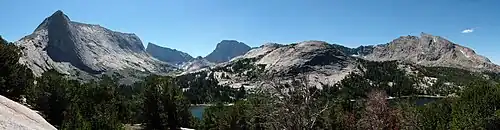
(196,64)
(72,48)
(169,55)
(226,50)
(316,61)
(14,116)
(320,64)
(428,50)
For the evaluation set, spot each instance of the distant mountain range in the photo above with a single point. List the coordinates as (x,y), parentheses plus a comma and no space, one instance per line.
(85,50)
(167,54)
(319,64)
(224,51)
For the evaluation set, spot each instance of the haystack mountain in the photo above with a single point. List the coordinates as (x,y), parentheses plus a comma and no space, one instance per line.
(78,49)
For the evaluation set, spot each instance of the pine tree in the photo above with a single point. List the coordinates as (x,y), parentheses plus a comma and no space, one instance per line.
(15,78)
(165,106)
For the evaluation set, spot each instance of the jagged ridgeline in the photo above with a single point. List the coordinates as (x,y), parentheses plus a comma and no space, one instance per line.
(223,52)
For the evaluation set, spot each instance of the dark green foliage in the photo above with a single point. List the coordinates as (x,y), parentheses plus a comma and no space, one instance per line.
(68,104)
(243,64)
(236,117)
(436,115)
(477,107)
(458,76)
(353,86)
(378,75)
(383,73)
(51,96)
(204,88)
(131,108)
(15,78)
(241,94)
(165,107)
(440,88)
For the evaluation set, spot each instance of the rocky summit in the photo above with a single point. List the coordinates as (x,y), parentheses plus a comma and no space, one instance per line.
(77,48)
(427,50)
(169,55)
(226,50)
(320,63)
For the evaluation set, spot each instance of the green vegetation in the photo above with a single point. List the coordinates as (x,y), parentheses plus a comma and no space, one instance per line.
(201,88)
(10,69)
(360,101)
(157,103)
(378,75)
(165,107)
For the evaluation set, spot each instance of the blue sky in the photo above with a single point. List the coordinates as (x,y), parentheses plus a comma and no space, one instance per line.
(196,26)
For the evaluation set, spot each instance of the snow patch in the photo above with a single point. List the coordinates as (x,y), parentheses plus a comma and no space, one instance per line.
(464,53)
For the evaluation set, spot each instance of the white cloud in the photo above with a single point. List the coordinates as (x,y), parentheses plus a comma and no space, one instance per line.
(468,30)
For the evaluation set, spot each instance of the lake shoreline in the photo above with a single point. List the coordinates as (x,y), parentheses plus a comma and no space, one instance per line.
(209,105)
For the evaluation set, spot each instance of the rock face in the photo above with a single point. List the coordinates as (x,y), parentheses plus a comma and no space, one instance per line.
(14,116)
(172,56)
(196,64)
(226,50)
(429,50)
(318,62)
(71,47)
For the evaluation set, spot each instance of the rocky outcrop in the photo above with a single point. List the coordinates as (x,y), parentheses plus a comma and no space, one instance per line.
(172,56)
(196,64)
(14,116)
(319,63)
(226,50)
(429,50)
(75,48)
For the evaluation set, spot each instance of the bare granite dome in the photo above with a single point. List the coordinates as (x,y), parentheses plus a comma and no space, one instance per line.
(319,62)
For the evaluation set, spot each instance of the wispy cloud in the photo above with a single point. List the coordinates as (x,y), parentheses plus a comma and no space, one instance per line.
(468,30)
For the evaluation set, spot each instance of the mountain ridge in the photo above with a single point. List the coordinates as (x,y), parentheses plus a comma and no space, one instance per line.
(427,50)
(226,50)
(169,55)
(72,47)
(77,48)
(323,64)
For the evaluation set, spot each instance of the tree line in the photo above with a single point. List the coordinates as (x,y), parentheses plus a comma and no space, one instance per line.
(162,102)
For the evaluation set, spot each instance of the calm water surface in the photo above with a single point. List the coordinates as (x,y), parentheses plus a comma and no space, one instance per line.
(197,111)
